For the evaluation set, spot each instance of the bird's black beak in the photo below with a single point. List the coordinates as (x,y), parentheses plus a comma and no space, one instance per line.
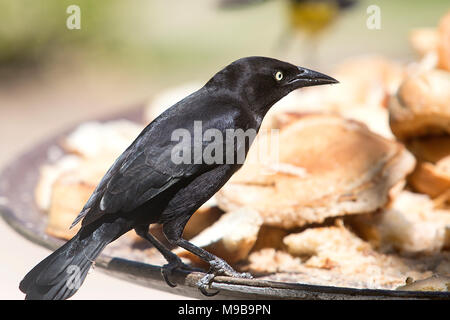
(307,78)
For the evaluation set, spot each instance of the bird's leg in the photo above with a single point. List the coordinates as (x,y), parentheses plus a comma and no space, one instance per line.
(217,265)
(174,262)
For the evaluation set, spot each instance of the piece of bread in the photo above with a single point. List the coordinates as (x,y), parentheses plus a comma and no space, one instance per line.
(333,256)
(65,186)
(70,192)
(230,238)
(410,225)
(320,166)
(376,118)
(421,106)
(48,174)
(271,260)
(204,217)
(432,173)
(372,73)
(328,247)
(270,237)
(432,179)
(430,149)
(101,142)
(101,139)
(365,83)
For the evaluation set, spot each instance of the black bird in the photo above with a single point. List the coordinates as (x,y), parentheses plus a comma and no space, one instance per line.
(145,185)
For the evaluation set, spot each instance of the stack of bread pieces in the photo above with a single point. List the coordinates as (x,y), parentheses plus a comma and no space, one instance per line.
(346,185)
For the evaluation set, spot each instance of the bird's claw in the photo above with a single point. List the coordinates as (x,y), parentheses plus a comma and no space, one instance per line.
(167,270)
(218,267)
(204,283)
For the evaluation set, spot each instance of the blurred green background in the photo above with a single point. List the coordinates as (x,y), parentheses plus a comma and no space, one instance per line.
(173,41)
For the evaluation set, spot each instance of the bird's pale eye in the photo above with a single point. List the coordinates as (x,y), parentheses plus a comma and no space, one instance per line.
(279,76)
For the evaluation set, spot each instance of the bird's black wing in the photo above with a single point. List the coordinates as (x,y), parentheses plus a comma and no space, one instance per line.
(146,168)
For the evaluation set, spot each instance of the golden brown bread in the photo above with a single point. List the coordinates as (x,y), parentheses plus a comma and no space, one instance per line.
(205,216)
(70,192)
(431,179)
(421,106)
(432,173)
(48,174)
(325,166)
(231,237)
(335,256)
(410,225)
(270,237)
(65,186)
(108,139)
(365,84)
(430,149)
(370,74)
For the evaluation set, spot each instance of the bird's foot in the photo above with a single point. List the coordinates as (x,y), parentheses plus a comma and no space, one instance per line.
(218,267)
(174,263)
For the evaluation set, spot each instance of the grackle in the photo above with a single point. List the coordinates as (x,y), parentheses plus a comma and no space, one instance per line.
(146,186)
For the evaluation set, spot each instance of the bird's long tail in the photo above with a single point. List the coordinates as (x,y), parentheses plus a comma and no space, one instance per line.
(61,274)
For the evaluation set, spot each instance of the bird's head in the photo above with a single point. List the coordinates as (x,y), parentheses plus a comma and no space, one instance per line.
(263,81)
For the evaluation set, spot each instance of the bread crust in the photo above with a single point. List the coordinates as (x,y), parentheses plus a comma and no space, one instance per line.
(421,106)
(346,170)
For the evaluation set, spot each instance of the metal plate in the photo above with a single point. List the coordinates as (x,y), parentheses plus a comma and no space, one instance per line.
(17,184)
